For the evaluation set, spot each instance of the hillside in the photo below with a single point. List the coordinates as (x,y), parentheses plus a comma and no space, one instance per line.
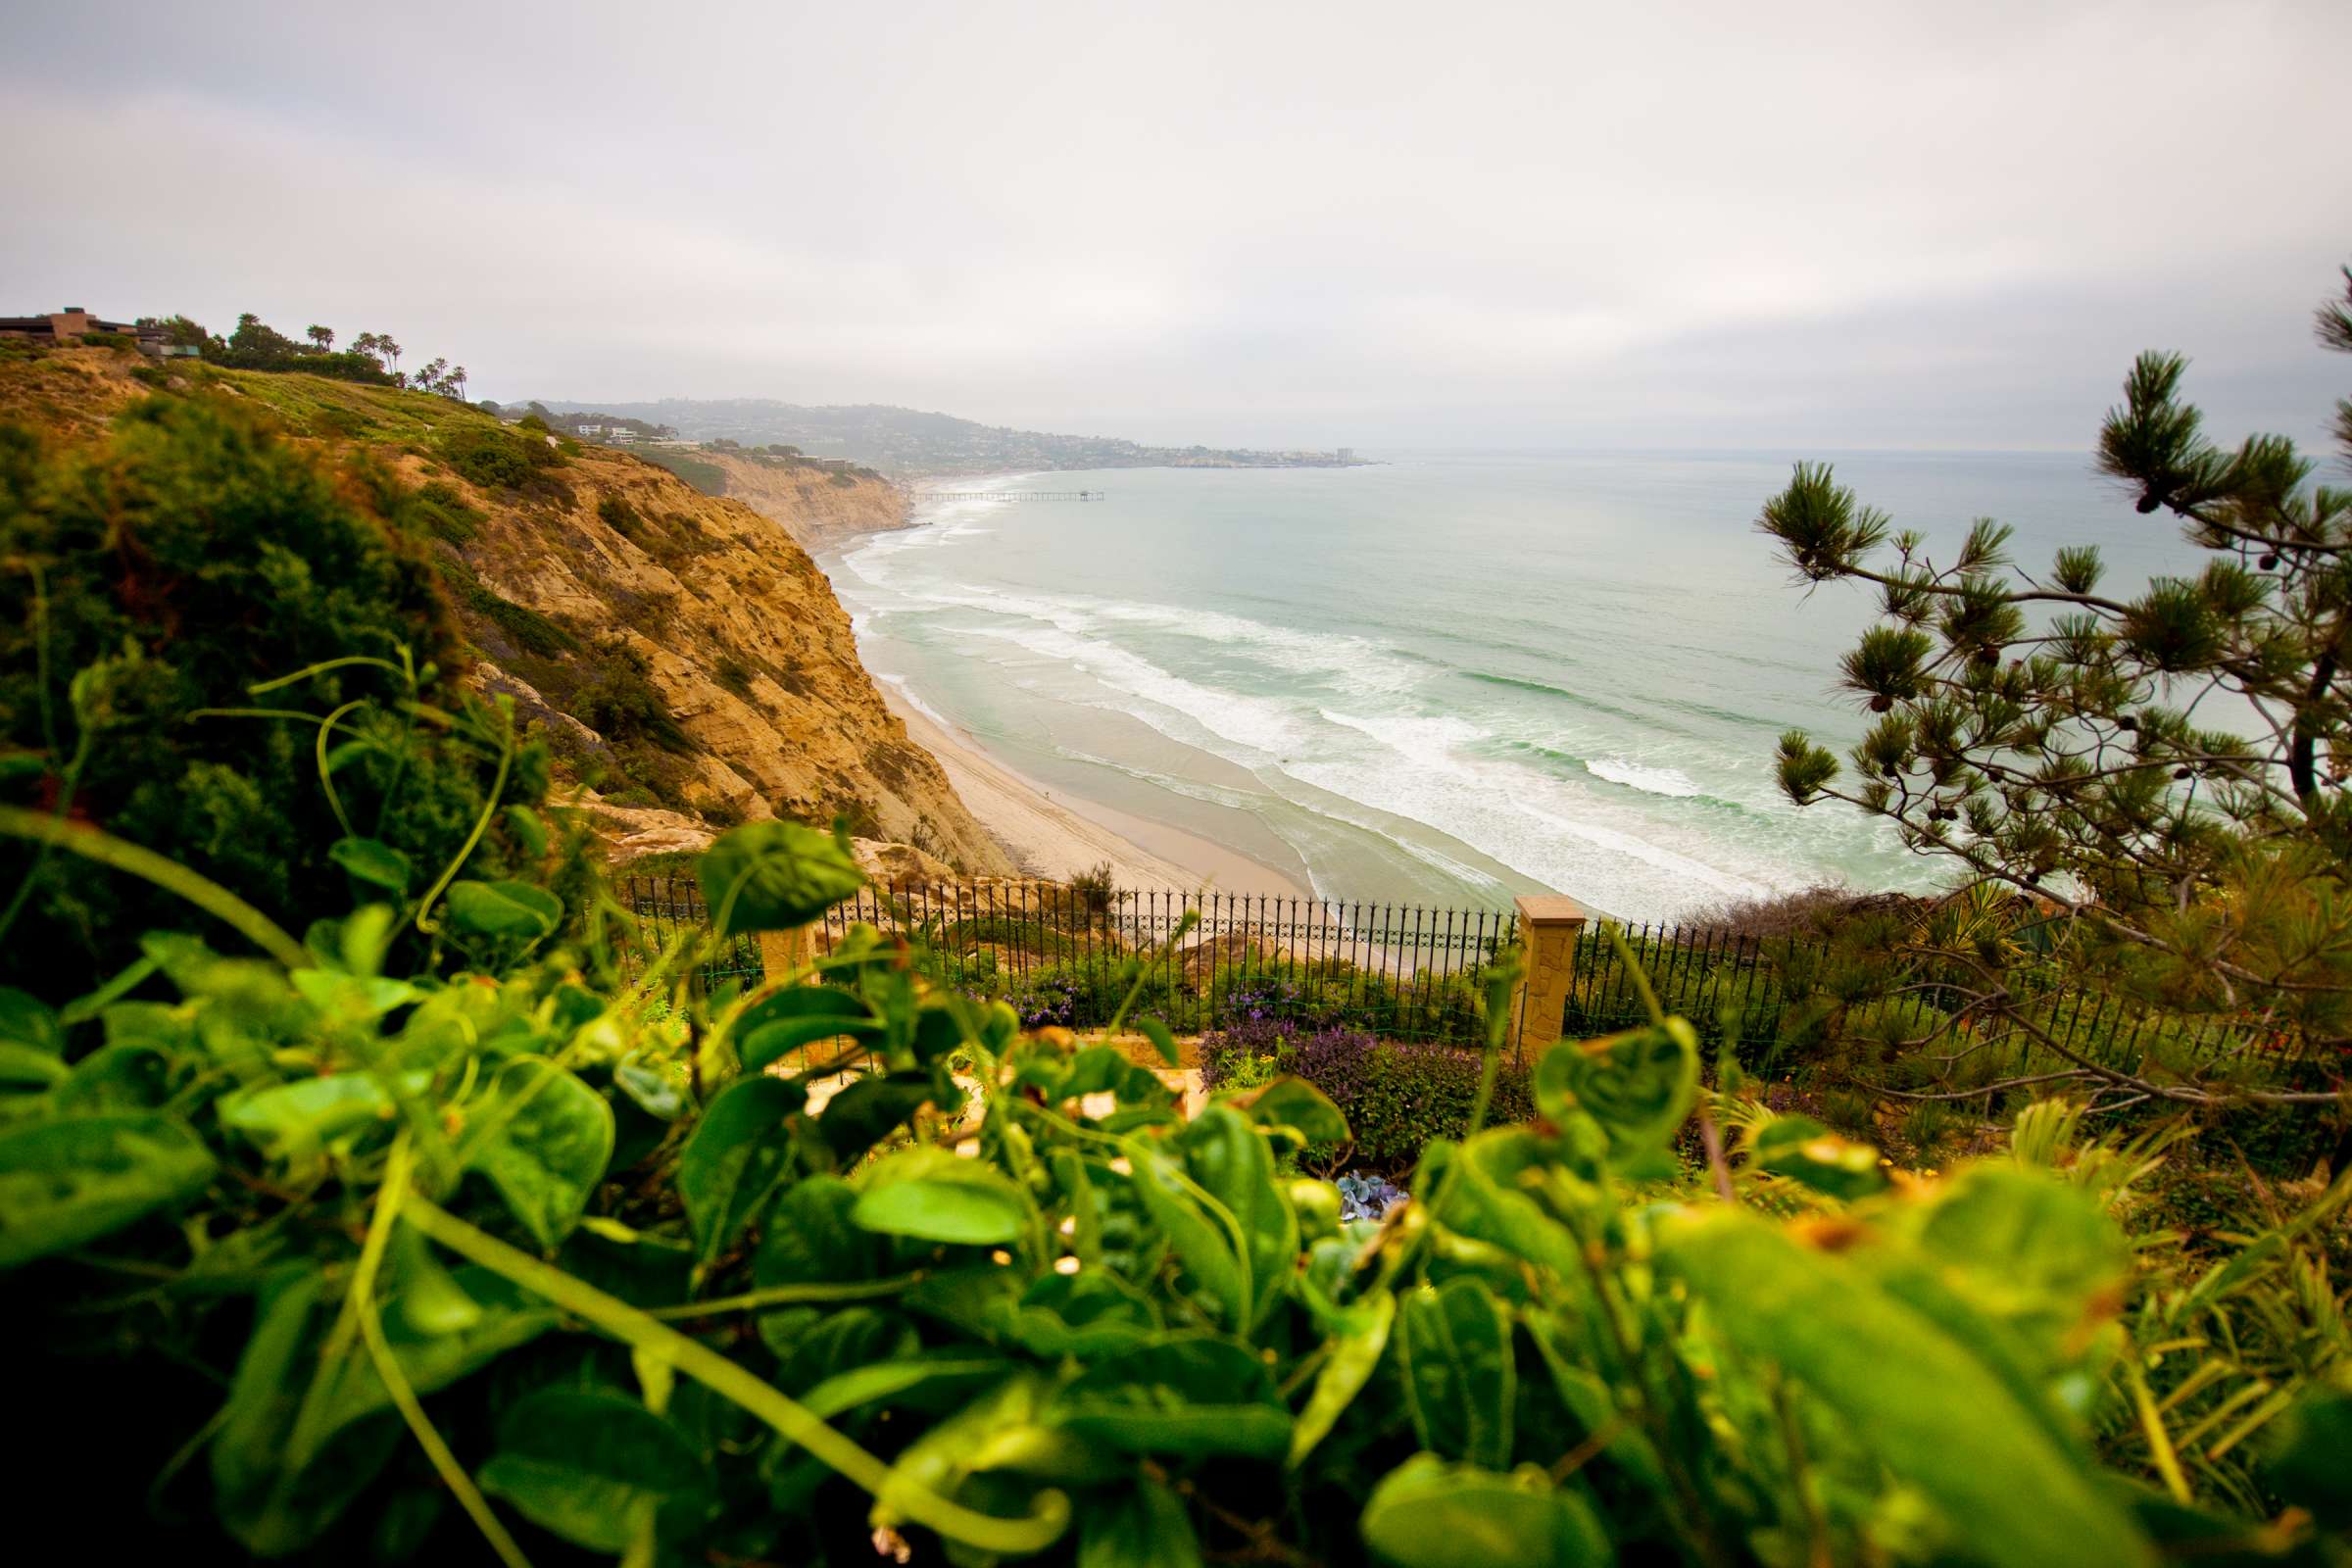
(681,651)
(908,443)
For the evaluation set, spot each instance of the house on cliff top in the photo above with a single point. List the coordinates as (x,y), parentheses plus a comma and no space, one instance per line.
(73,324)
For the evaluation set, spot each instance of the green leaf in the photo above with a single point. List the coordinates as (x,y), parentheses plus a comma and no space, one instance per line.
(1639,1085)
(1355,1350)
(2306,1459)
(1199,1242)
(455,1346)
(784,1021)
(931,1374)
(2025,1246)
(1164,1041)
(276,1500)
(122,1077)
(1460,1382)
(653,1088)
(774,876)
(29,1023)
(67,1182)
(1090,1313)
(371,862)
(1140,1525)
(421,1296)
(809,1240)
(351,996)
(1484,1199)
(1188,1397)
(812,1240)
(740,1153)
(1590,1399)
(929,1194)
(530,830)
(943,1457)
(296,1121)
(22,1067)
(1298,1106)
(870,1109)
(1230,1161)
(1806,1151)
(547,1160)
(1935,1417)
(592,1467)
(774,1042)
(514,910)
(271,1501)
(1427,1513)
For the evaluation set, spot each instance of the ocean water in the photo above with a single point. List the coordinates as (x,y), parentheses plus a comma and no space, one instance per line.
(1444,679)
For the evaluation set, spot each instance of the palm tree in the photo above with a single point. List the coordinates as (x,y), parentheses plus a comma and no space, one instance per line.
(322,338)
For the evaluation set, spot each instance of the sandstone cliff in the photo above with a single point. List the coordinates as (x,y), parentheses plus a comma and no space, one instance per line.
(818,507)
(681,652)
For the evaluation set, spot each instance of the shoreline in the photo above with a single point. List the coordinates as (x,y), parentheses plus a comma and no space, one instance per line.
(1058,836)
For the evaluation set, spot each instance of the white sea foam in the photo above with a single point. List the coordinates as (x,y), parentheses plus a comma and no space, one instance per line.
(1419,766)
(1260,724)
(897,683)
(1668,781)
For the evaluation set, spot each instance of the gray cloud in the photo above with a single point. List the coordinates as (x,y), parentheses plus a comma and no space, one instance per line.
(1565,224)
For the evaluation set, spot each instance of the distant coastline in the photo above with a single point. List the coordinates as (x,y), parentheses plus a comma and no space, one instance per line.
(912,444)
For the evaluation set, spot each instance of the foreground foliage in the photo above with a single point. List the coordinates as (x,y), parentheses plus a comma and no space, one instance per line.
(634,1273)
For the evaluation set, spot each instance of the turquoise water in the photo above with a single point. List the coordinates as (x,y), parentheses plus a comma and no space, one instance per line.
(1445,679)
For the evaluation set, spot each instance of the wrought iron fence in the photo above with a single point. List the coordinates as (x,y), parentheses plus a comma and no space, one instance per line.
(670,906)
(1069,955)
(1714,978)
(1065,955)
(1742,987)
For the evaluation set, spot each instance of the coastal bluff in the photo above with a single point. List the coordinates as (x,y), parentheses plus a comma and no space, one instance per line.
(682,651)
(818,506)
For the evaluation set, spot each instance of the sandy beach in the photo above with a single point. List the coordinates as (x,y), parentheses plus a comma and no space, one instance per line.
(1055,836)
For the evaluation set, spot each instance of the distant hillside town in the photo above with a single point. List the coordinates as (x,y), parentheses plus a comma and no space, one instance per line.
(907,443)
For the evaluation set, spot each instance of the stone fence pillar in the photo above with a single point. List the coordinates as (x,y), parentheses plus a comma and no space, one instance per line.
(783,952)
(1548,926)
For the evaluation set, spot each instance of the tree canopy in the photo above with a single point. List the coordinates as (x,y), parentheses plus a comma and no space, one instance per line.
(2157,773)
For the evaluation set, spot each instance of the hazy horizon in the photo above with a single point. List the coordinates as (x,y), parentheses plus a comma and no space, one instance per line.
(1699,227)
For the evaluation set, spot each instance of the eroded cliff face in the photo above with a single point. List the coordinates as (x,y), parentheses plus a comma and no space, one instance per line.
(734,629)
(681,651)
(817,507)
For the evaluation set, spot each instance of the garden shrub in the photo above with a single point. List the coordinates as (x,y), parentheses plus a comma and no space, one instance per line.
(1398,1097)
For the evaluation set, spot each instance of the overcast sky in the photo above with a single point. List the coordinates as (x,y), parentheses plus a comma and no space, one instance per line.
(1560,224)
